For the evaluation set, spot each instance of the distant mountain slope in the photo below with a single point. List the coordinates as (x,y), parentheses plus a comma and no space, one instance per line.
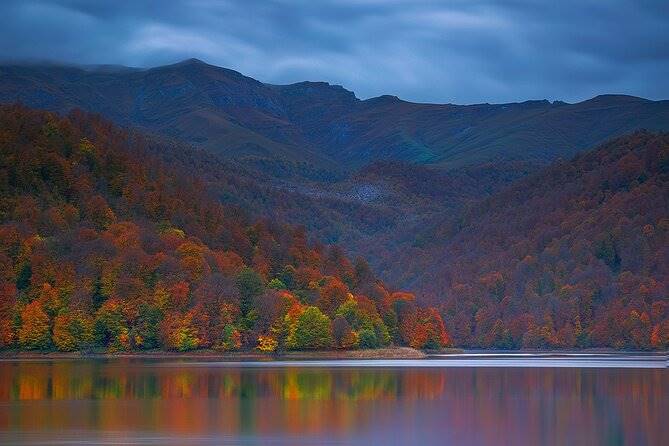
(457,135)
(323,125)
(575,255)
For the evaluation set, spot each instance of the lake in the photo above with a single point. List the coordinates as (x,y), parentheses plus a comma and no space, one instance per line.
(466,400)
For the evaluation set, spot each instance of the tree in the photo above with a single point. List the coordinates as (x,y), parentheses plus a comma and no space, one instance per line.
(344,336)
(287,276)
(250,285)
(180,295)
(99,212)
(178,332)
(106,242)
(145,332)
(229,263)
(659,338)
(72,331)
(24,276)
(424,328)
(34,333)
(313,330)
(368,339)
(110,327)
(332,295)
(7,305)
(231,339)
(361,315)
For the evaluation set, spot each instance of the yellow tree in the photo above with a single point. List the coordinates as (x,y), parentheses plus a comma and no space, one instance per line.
(7,302)
(34,332)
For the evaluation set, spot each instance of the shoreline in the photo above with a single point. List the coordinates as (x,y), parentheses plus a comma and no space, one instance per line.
(389,353)
(381,353)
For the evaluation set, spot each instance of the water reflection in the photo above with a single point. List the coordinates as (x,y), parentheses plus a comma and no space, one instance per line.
(132,401)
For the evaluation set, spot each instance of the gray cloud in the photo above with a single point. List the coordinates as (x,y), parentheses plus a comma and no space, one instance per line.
(460,51)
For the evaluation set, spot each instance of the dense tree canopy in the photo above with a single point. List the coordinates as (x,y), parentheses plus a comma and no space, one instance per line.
(112,240)
(575,256)
(106,245)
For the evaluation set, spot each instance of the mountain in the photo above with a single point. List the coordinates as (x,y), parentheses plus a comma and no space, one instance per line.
(572,256)
(325,126)
(369,174)
(501,215)
(457,135)
(214,108)
(110,241)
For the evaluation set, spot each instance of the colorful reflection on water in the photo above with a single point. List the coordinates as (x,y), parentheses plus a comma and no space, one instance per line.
(157,402)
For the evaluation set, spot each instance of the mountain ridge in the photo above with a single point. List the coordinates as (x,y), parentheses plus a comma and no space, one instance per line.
(322,124)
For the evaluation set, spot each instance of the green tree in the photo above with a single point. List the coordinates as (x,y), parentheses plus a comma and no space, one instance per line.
(287,276)
(313,330)
(230,338)
(110,326)
(250,285)
(145,330)
(368,339)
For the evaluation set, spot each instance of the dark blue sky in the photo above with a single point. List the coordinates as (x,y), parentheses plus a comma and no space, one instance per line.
(461,51)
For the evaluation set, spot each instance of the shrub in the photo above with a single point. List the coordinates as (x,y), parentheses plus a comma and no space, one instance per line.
(267,344)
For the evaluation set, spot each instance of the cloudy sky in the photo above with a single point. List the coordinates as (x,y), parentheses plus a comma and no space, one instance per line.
(460,51)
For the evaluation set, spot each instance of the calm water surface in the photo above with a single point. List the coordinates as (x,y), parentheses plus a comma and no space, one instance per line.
(464,401)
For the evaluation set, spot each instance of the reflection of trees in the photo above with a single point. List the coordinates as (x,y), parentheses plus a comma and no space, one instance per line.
(100,381)
(521,404)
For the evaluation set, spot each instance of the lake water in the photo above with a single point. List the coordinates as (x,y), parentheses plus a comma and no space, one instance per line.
(467,400)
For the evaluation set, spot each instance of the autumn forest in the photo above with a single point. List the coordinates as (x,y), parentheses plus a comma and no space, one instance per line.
(105,247)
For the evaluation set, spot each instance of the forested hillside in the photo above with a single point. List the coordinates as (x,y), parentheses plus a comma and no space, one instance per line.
(372,176)
(108,240)
(574,256)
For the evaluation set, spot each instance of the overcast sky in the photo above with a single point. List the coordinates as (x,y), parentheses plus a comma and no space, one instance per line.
(464,51)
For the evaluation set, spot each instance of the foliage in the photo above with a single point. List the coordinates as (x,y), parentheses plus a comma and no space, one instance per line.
(250,285)
(369,330)
(108,242)
(231,338)
(72,331)
(277,284)
(312,330)
(35,332)
(343,334)
(7,314)
(571,257)
(368,339)
(179,332)
(267,344)
(110,328)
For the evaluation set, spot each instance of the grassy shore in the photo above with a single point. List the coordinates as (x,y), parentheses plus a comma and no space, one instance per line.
(381,353)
